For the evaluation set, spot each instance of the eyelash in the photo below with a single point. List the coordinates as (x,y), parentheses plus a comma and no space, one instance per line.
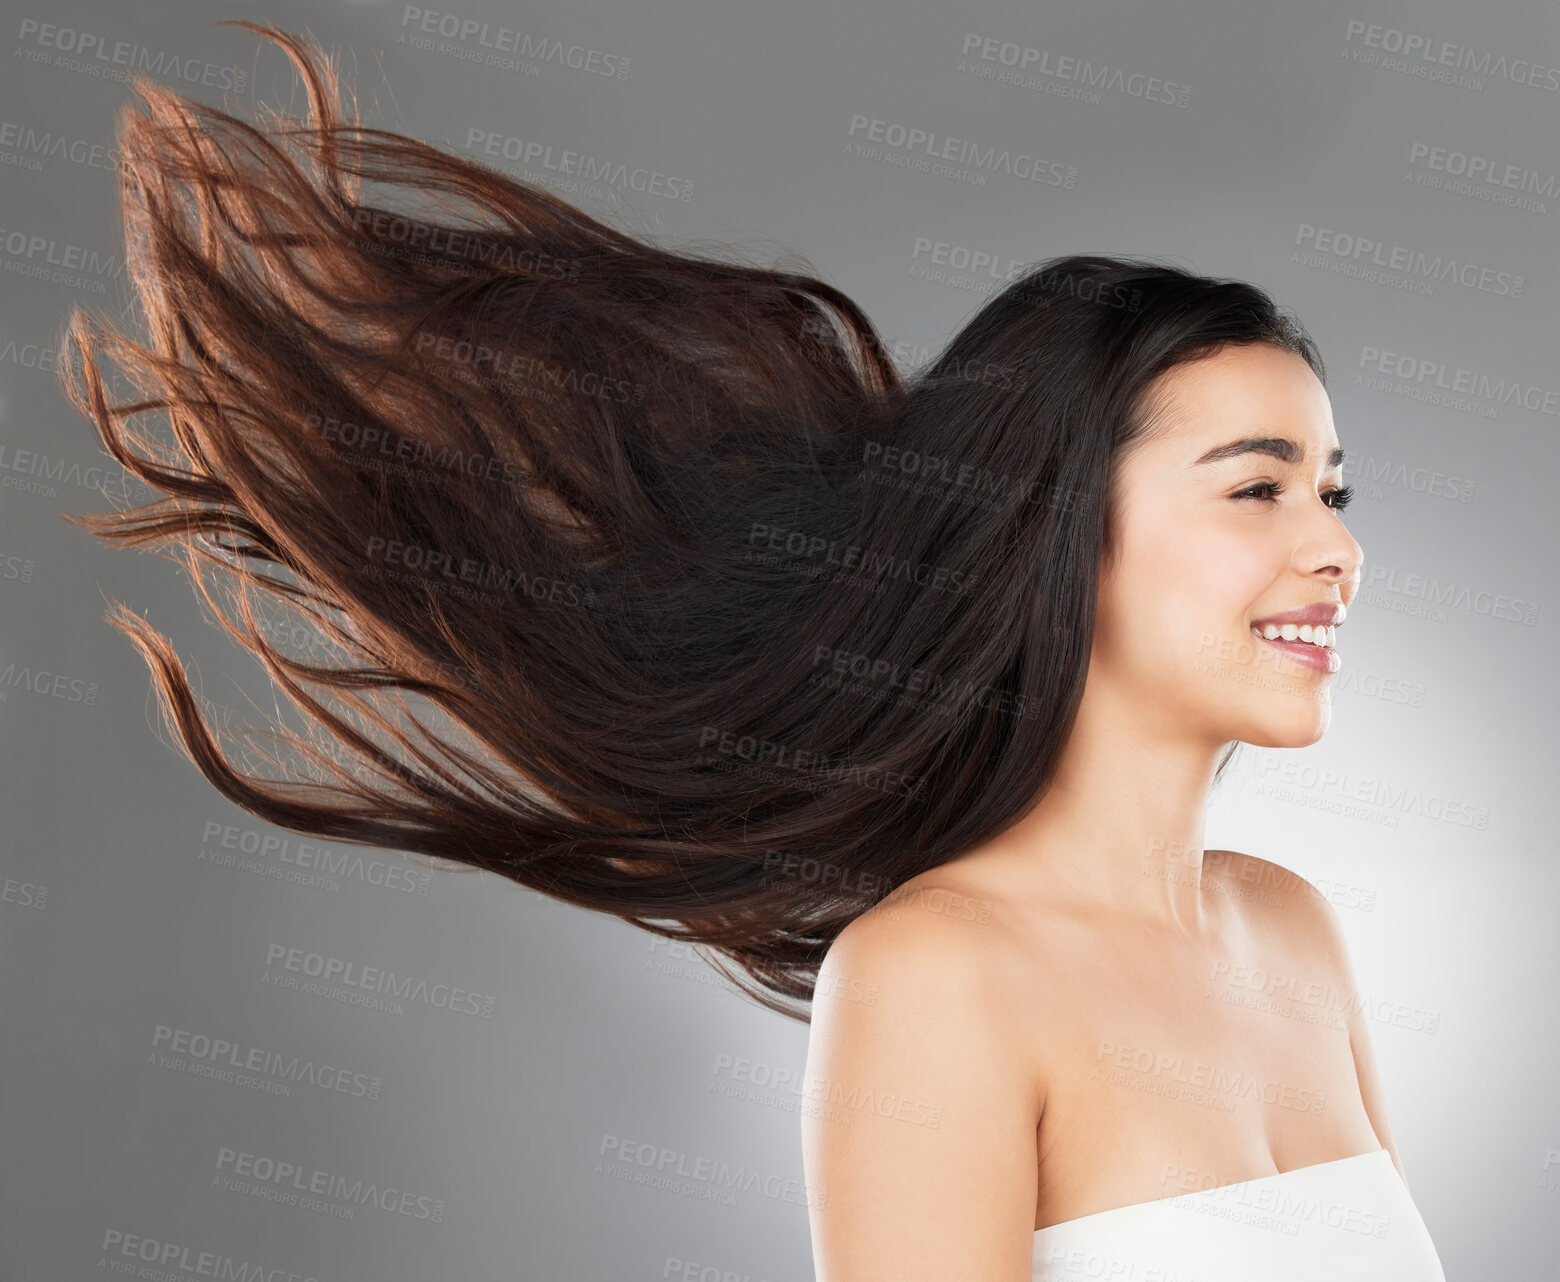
(1340,497)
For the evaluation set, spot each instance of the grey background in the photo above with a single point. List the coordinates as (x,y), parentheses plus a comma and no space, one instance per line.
(1423,812)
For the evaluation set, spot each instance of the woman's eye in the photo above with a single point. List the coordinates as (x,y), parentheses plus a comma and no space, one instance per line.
(1268,492)
(1264,492)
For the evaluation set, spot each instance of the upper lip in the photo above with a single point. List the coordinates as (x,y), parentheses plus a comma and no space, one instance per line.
(1325,614)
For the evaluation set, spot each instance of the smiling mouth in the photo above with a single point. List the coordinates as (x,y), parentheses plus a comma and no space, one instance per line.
(1321,636)
(1305,643)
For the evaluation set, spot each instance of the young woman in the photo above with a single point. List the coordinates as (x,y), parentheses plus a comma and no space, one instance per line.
(1090,1015)
(645,580)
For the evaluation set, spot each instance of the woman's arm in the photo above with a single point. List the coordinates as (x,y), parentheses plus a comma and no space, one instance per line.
(920,1106)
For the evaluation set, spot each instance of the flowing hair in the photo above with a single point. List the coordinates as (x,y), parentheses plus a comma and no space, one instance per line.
(639,577)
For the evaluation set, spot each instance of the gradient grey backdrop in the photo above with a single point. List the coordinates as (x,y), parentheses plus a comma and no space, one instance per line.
(142,916)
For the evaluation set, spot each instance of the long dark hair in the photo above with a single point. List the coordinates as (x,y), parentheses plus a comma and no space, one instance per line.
(641,577)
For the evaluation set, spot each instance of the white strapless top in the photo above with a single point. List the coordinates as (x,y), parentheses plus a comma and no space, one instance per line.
(1350,1220)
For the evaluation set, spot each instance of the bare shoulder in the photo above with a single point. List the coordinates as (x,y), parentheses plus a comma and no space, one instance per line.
(933,943)
(1277,901)
(918,1137)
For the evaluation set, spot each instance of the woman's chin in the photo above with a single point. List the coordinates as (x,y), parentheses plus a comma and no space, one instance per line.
(1290,728)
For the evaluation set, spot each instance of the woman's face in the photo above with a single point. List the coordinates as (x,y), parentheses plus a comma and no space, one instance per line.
(1213,536)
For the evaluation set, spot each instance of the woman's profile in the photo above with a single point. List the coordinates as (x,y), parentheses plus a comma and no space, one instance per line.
(642,578)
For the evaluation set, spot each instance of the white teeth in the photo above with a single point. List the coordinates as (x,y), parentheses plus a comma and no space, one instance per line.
(1322,635)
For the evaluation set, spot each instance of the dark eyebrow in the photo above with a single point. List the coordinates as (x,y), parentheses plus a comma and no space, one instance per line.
(1280,447)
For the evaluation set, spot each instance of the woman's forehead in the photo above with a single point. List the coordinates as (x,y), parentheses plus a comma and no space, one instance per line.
(1241,393)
